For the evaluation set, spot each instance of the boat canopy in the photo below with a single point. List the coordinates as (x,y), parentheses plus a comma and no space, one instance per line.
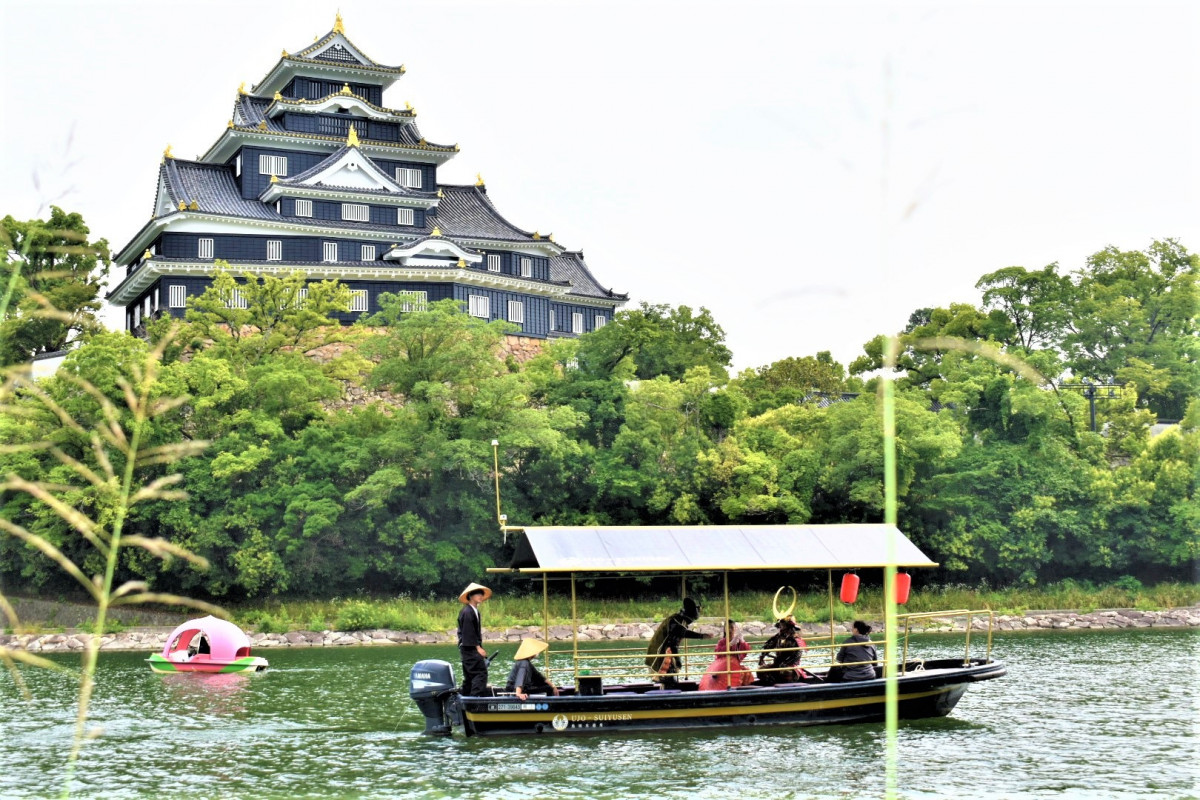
(711,548)
(226,640)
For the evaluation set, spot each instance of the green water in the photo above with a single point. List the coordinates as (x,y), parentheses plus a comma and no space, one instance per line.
(1084,714)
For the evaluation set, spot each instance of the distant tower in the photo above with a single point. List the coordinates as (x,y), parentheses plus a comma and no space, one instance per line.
(312,173)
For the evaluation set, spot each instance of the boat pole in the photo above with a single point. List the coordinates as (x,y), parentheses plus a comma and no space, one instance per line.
(830,616)
(546,620)
(574,633)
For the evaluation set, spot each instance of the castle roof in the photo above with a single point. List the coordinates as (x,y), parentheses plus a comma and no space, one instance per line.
(332,55)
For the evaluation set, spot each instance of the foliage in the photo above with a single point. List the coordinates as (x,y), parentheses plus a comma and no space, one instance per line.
(100,463)
(659,341)
(367,467)
(52,276)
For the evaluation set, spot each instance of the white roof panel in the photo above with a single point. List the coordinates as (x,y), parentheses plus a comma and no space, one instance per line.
(709,548)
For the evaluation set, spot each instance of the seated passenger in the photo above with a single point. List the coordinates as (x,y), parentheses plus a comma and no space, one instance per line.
(854,656)
(524,679)
(663,650)
(785,664)
(726,670)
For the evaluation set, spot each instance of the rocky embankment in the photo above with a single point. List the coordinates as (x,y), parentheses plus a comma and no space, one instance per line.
(153,639)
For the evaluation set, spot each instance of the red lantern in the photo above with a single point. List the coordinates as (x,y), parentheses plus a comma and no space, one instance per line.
(849,588)
(903,584)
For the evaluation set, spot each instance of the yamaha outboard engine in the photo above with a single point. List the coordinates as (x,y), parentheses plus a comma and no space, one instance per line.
(431,685)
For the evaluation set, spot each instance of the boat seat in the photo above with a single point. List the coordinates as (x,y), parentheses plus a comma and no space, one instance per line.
(663,691)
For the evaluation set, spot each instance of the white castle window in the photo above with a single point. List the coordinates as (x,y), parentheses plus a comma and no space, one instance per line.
(330,253)
(516,311)
(368,252)
(479,306)
(405,216)
(358,300)
(236,299)
(600,321)
(272,165)
(274,250)
(206,248)
(408,177)
(577,322)
(177,296)
(493,263)
(417,301)
(304,208)
(356,212)
(526,268)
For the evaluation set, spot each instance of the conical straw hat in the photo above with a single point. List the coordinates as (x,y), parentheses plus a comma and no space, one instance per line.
(462,598)
(530,648)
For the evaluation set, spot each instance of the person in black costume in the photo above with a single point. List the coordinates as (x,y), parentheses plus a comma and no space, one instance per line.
(470,641)
(663,652)
(785,663)
(525,679)
(857,648)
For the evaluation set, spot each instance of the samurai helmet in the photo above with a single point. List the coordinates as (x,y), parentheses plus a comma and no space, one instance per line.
(690,609)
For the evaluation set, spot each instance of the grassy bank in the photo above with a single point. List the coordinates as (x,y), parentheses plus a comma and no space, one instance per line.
(506,610)
(503,611)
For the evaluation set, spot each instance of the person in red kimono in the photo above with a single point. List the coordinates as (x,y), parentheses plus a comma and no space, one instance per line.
(726,670)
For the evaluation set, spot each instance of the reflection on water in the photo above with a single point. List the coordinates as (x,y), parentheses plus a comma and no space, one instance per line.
(1079,715)
(198,695)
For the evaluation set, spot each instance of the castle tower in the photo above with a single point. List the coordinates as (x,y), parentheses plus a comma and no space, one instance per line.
(314,173)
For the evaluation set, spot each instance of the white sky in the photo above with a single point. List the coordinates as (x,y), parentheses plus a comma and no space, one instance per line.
(810,172)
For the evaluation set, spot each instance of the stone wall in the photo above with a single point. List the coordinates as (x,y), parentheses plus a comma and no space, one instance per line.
(154,640)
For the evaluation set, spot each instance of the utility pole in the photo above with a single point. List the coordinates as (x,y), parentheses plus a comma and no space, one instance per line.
(1104,390)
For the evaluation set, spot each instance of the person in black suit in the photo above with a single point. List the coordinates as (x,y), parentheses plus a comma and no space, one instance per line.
(470,641)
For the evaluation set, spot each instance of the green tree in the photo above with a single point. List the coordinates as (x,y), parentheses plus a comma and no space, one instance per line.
(659,340)
(247,320)
(1133,316)
(790,379)
(55,276)
(1029,308)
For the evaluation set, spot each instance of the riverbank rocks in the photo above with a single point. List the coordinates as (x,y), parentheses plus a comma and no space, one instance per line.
(153,640)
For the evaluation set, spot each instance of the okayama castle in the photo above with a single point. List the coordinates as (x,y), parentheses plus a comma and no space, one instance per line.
(314,174)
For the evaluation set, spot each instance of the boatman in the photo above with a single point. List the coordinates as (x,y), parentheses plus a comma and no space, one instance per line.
(525,679)
(663,652)
(470,640)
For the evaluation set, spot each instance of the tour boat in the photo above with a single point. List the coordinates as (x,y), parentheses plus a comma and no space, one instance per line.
(612,689)
(207,645)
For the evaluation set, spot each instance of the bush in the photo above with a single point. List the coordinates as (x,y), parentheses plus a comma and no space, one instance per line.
(358,615)
(1128,583)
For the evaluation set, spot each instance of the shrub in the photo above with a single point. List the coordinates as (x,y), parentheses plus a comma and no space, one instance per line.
(358,615)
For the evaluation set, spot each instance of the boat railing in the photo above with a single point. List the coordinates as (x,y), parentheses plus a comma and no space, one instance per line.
(628,662)
(970,616)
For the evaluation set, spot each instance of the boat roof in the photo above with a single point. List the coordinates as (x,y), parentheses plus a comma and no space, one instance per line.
(711,548)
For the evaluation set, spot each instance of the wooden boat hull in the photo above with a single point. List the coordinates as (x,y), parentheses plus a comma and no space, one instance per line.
(929,692)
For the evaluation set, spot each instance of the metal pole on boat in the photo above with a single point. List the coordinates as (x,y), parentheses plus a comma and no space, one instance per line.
(574,631)
(546,620)
(830,615)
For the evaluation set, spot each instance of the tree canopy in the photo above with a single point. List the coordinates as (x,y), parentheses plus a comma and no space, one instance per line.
(357,458)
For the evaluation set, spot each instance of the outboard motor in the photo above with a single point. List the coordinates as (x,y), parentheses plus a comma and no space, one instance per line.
(431,685)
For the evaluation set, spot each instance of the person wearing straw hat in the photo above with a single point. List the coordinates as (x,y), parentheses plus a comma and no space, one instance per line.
(525,679)
(470,640)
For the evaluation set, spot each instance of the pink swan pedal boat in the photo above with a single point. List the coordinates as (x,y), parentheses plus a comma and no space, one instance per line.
(207,645)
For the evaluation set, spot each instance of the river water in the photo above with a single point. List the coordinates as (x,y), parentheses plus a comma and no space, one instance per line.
(1080,715)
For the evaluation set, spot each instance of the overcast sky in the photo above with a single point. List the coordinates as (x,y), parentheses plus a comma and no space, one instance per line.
(810,172)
